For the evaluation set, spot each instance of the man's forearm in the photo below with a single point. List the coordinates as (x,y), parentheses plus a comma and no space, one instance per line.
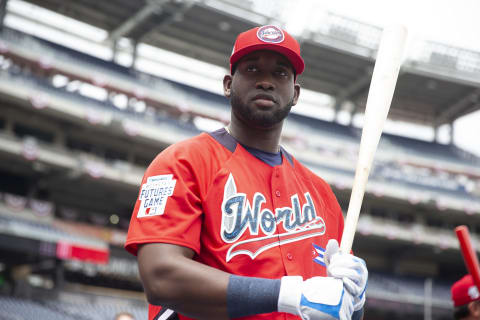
(177,282)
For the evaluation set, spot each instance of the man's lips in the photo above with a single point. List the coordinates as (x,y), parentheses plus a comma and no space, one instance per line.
(264,100)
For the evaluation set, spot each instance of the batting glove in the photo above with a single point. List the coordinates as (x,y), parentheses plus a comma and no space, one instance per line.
(318,298)
(352,270)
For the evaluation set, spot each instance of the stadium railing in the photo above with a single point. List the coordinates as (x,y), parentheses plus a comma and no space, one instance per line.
(318,160)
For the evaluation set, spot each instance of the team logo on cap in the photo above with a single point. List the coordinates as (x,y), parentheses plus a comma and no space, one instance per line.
(270,34)
(473,293)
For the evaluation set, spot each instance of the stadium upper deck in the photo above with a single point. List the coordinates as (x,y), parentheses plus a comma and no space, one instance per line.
(437,83)
(408,169)
(173,107)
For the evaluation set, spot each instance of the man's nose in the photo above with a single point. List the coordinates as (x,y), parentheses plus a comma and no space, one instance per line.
(265,83)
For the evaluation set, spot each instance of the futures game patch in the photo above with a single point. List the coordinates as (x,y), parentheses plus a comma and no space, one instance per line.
(154,194)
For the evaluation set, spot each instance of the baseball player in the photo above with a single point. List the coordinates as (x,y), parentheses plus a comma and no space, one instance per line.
(228,224)
(465,299)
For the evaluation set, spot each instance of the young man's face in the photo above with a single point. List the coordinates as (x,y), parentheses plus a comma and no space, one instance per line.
(474,308)
(262,90)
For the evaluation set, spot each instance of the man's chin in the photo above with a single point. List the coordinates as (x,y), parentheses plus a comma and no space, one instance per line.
(262,118)
(264,123)
(267,119)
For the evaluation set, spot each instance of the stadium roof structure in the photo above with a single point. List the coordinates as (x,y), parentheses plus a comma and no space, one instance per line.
(437,83)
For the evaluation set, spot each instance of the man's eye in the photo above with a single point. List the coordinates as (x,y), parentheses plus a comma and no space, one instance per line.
(252,68)
(282,73)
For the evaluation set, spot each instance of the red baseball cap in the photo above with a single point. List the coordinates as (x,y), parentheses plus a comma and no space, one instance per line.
(268,38)
(464,291)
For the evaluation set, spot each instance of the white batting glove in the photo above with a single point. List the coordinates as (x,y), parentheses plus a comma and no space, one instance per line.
(318,298)
(352,270)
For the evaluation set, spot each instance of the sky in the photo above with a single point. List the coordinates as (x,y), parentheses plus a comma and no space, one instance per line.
(445,21)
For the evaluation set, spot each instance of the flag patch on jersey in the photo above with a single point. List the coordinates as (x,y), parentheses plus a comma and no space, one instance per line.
(318,255)
(154,194)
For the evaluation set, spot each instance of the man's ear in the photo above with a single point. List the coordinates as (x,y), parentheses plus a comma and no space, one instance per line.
(296,93)
(227,85)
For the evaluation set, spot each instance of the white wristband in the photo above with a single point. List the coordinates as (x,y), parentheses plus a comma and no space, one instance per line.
(290,294)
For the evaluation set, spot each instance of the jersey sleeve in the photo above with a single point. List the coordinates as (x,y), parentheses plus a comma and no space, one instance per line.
(168,208)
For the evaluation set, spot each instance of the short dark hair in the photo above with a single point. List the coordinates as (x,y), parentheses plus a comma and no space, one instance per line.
(461,312)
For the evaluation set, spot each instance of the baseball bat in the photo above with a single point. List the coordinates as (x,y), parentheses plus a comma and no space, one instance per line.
(469,256)
(382,86)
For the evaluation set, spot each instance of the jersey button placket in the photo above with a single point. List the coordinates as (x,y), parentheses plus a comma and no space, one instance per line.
(278,190)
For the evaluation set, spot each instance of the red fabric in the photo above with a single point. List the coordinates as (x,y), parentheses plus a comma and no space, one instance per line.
(464,291)
(251,40)
(290,209)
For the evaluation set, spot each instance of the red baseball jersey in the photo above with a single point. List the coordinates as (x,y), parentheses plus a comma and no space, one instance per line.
(237,213)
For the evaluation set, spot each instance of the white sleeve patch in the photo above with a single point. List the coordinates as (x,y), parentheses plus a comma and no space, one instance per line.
(154,194)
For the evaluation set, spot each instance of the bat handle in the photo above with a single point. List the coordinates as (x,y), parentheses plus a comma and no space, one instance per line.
(469,255)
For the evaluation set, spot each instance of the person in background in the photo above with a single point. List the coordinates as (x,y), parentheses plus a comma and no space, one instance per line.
(466,299)
(124,316)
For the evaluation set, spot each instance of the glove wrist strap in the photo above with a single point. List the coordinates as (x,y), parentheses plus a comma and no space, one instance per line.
(290,294)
